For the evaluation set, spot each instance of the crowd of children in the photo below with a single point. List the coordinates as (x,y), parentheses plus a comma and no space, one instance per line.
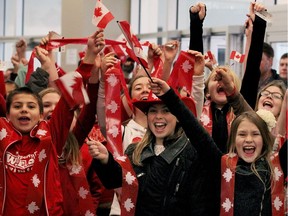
(218,147)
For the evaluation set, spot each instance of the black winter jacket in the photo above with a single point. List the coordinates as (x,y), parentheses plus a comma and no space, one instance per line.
(172,184)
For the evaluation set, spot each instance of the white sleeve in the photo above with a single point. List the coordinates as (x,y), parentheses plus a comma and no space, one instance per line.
(198,93)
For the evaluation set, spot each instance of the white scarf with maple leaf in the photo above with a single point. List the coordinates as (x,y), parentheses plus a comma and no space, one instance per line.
(228,167)
(114,79)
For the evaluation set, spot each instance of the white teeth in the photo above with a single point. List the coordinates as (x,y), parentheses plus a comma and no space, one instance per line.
(267,103)
(159,124)
(249,147)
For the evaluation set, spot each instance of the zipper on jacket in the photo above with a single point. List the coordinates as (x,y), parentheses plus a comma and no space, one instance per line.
(179,182)
(170,179)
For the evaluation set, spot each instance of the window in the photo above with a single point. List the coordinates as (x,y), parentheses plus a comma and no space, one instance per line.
(19,18)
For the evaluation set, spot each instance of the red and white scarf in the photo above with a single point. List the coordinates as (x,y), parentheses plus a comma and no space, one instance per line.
(207,120)
(228,168)
(113,80)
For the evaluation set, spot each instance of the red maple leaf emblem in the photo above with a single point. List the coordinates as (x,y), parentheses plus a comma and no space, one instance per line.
(98,12)
(237,56)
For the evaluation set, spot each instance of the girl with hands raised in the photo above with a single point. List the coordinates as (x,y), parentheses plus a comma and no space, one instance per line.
(171,181)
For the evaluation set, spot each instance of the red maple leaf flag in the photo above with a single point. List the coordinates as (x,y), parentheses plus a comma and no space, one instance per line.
(134,43)
(208,56)
(236,56)
(101,16)
(72,88)
(183,70)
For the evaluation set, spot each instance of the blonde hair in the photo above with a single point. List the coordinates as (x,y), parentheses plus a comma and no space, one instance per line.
(49,90)
(71,153)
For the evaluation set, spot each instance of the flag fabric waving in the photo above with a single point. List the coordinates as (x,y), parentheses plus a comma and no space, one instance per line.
(134,43)
(101,16)
(72,88)
(208,56)
(236,56)
(183,70)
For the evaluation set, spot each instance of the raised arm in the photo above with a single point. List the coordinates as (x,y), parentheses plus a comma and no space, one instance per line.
(252,73)
(281,126)
(154,51)
(108,60)
(234,97)
(62,115)
(198,81)
(170,51)
(49,66)
(197,15)
(87,117)
(198,136)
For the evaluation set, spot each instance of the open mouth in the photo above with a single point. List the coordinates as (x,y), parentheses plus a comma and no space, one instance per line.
(220,90)
(145,97)
(24,119)
(267,104)
(249,149)
(159,126)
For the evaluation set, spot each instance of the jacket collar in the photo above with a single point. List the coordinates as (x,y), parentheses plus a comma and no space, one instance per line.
(170,153)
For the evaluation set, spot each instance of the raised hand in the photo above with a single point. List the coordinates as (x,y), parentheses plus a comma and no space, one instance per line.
(42,56)
(255,6)
(47,63)
(154,51)
(199,8)
(95,44)
(109,60)
(44,41)
(199,62)
(159,86)
(98,151)
(21,46)
(170,50)
(225,80)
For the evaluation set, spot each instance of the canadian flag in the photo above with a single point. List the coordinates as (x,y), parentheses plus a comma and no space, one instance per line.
(236,56)
(208,56)
(101,16)
(72,88)
(134,43)
(183,70)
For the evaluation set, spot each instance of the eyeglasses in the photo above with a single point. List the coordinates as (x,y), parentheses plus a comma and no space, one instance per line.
(274,95)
